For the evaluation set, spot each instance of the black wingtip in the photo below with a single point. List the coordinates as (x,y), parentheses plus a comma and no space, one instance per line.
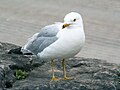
(15,51)
(18,51)
(28,54)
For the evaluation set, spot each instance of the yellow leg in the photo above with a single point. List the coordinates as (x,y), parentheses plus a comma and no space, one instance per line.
(64,71)
(53,77)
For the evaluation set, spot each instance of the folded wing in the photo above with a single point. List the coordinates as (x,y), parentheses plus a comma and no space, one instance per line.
(39,41)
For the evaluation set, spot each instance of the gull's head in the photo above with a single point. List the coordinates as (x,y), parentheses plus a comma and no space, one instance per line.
(72,18)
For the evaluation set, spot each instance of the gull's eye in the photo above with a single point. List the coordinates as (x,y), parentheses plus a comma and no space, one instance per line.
(74,20)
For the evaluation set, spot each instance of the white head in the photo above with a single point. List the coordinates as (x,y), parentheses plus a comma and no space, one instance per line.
(72,18)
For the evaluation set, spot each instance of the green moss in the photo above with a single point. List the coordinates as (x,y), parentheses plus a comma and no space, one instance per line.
(19,74)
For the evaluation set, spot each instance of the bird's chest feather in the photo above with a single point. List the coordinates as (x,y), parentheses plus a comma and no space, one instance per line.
(71,37)
(68,44)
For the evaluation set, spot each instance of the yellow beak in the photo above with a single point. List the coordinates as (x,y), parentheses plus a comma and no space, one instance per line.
(65,25)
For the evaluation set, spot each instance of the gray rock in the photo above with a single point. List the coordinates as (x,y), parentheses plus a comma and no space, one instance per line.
(89,74)
(1,78)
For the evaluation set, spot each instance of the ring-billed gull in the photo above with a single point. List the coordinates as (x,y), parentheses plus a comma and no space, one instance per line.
(58,41)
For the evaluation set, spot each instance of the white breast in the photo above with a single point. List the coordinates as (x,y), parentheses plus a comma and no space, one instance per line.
(69,44)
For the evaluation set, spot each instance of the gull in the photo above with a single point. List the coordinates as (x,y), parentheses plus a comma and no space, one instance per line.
(58,41)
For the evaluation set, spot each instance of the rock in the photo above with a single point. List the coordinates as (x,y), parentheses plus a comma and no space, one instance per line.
(1,78)
(88,73)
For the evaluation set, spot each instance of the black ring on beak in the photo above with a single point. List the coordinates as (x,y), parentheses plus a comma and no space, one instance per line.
(65,25)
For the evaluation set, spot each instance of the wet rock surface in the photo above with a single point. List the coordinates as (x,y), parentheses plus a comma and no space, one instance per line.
(88,73)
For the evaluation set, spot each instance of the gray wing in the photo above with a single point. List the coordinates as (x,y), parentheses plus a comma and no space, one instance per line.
(41,40)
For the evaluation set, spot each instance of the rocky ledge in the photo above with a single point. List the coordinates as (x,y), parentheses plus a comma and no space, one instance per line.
(17,72)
